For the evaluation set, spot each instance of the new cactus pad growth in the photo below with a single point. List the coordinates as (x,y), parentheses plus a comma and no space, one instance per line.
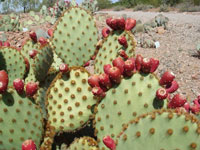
(161,129)
(75,49)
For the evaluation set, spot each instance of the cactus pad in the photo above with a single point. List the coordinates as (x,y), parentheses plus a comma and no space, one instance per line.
(132,97)
(84,143)
(161,130)
(42,62)
(109,48)
(75,37)
(12,61)
(69,100)
(20,119)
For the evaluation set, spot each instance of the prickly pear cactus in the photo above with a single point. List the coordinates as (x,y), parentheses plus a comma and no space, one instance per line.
(30,45)
(20,119)
(132,97)
(110,47)
(84,143)
(42,62)
(13,62)
(161,129)
(56,62)
(75,37)
(69,101)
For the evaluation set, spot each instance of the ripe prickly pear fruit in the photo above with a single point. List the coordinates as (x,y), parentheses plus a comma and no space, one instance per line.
(119,63)
(106,68)
(123,54)
(122,40)
(177,101)
(1,43)
(121,23)
(195,108)
(31,89)
(19,85)
(167,78)
(33,36)
(97,91)
(109,142)
(146,65)
(187,106)
(86,64)
(138,62)
(27,64)
(93,80)
(3,81)
(115,74)
(42,41)
(28,145)
(113,24)
(108,21)
(7,44)
(105,32)
(154,64)
(129,67)
(161,94)
(130,24)
(104,81)
(63,68)
(32,53)
(50,32)
(172,87)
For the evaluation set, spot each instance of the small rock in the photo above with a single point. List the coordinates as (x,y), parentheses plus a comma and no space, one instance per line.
(160,30)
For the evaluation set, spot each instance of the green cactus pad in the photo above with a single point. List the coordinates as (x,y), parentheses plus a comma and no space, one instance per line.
(30,45)
(56,62)
(12,61)
(84,143)
(132,97)
(75,37)
(20,119)
(109,48)
(42,62)
(161,130)
(69,100)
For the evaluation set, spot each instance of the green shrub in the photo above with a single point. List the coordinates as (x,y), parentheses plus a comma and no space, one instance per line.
(142,7)
(164,8)
(118,8)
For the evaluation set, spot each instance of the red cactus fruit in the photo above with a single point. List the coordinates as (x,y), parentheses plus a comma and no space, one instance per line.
(3,81)
(31,89)
(121,23)
(154,64)
(177,101)
(50,32)
(167,78)
(186,106)
(113,24)
(123,54)
(195,108)
(104,81)
(7,44)
(33,53)
(27,64)
(146,65)
(161,94)
(130,24)
(119,63)
(1,43)
(106,68)
(115,74)
(108,21)
(109,142)
(138,62)
(33,36)
(122,40)
(63,68)
(105,32)
(172,87)
(93,80)
(19,85)
(93,57)
(97,91)
(28,145)
(129,67)
(43,41)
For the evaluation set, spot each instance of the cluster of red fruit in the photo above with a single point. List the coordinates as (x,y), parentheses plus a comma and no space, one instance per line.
(18,84)
(7,44)
(113,74)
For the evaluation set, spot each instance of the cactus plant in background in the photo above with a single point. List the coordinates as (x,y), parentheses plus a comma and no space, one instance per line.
(90,5)
(10,23)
